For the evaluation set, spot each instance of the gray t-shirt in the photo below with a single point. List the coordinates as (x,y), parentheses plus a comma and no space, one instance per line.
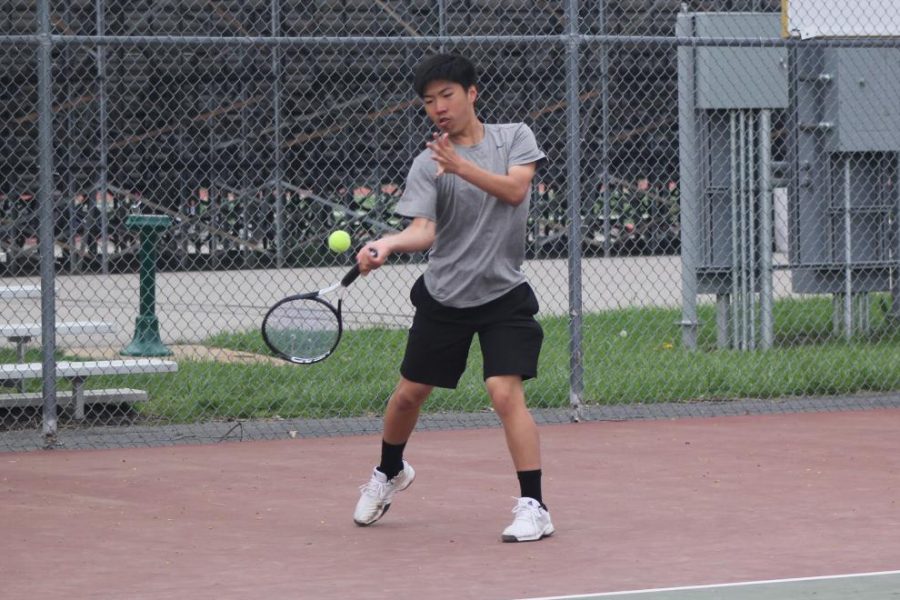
(479,246)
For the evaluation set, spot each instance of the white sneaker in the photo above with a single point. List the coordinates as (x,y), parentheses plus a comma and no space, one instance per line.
(531,523)
(375,499)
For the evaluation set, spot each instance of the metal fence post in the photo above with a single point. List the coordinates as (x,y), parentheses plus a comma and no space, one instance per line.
(895,290)
(45,196)
(691,247)
(103,158)
(573,169)
(278,175)
(766,298)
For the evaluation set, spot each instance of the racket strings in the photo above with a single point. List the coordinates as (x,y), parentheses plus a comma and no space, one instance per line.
(303,329)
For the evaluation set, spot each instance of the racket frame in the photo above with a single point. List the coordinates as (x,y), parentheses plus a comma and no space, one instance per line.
(348,278)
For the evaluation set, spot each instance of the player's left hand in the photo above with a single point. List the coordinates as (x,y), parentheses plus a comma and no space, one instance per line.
(443,153)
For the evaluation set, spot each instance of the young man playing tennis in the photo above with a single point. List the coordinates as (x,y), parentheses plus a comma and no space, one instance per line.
(467,194)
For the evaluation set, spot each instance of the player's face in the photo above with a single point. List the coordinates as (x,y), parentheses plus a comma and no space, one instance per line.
(450,106)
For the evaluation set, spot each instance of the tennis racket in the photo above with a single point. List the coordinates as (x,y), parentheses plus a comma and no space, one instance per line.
(306,328)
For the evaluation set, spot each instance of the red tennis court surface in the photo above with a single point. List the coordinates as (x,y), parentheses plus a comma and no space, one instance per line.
(637,505)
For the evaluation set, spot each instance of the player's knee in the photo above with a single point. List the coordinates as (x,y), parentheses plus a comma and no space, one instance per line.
(407,402)
(410,396)
(506,397)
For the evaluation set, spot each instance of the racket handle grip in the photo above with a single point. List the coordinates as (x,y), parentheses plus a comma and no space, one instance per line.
(351,276)
(353,273)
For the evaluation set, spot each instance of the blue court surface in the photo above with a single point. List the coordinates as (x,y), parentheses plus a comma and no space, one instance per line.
(883,585)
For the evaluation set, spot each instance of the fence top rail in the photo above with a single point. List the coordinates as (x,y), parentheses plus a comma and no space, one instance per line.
(579,38)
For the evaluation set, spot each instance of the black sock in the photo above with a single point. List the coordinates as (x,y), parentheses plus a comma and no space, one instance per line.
(391,459)
(530,485)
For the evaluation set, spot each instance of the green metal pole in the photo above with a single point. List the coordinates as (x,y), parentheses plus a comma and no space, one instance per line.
(146,340)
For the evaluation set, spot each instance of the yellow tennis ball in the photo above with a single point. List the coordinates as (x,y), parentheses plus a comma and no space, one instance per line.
(339,241)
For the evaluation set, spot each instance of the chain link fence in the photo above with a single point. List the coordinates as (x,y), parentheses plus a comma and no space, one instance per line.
(715,229)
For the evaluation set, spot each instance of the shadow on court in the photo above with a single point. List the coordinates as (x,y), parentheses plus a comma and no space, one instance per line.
(636,504)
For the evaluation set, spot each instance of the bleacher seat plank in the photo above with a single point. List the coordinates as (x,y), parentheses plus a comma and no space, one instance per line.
(30,330)
(105,396)
(88,368)
(77,372)
(20,291)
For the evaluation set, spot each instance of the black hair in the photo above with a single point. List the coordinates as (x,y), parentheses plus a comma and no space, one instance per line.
(444,67)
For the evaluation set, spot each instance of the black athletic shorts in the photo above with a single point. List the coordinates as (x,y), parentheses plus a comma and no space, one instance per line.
(440,337)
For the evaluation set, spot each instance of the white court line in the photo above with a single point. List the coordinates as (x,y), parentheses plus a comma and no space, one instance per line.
(715,586)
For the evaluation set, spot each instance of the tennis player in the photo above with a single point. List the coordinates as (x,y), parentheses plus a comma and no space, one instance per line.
(467,194)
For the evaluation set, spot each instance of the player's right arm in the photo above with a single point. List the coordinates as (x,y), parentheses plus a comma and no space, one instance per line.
(418,236)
